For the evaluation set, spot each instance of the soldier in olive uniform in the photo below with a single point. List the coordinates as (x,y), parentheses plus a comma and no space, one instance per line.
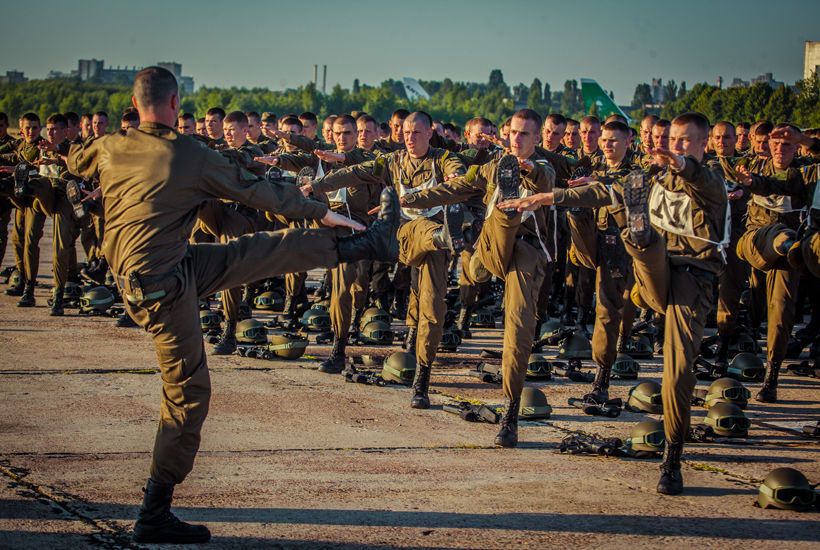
(153,181)
(424,237)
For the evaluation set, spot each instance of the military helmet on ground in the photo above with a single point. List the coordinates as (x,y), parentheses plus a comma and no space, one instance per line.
(399,367)
(625,367)
(787,489)
(538,367)
(727,420)
(316,319)
(287,346)
(575,346)
(646,397)
(251,331)
(374,314)
(727,390)
(376,333)
(647,436)
(96,300)
(209,320)
(534,404)
(746,366)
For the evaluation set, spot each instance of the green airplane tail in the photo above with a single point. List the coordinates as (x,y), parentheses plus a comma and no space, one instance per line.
(595,96)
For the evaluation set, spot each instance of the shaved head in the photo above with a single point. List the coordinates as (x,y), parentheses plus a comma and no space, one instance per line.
(154,86)
(419,117)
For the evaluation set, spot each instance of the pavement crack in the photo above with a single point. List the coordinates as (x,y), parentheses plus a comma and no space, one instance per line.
(106,534)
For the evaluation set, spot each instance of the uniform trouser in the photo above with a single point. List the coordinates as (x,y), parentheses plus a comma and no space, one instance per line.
(417,248)
(25,238)
(6,209)
(65,237)
(219,219)
(523,267)
(173,324)
(585,288)
(345,296)
(758,247)
(684,297)
(730,287)
(467,286)
(91,236)
(612,296)
(380,277)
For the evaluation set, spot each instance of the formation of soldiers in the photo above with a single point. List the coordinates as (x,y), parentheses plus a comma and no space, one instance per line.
(679,225)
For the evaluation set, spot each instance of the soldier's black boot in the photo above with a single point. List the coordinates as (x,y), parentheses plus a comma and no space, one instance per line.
(57,302)
(722,359)
(156,524)
(354,325)
(125,321)
(410,340)
(768,393)
(379,241)
(27,298)
(16,289)
(421,385)
(584,317)
(508,434)
(289,312)
(336,362)
(600,386)
(636,200)
(226,344)
(463,322)
(671,482)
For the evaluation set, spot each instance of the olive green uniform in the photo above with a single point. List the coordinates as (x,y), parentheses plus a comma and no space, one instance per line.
(7,145)
(29,217)
(675,275)
(512,247)
(599,242)
(229,220)
(153,181)
(773,218)
(417,234)
(349,282)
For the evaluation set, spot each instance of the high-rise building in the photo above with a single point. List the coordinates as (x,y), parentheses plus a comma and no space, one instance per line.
(811,59)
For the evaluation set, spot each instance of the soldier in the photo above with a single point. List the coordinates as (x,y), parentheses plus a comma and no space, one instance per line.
(186,124)
(598,240)
(396,140)
(366,132)
(743,141)
(572,135)
(72,130)
(424,239)
(30,214)
(774,217)
(227,221)
(130,119)
(552,135)
(309,125)
(734,276)
(60,209)
(201,129)
(99,123)
(676,261)
(161,276)
(267,141)
(348,281)
(6,207)
(327,131)
(590,130)
(86,130)
(214,119)
(660,134)
(514,247)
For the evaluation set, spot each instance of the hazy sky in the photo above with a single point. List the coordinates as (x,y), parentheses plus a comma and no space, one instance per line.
(275,44)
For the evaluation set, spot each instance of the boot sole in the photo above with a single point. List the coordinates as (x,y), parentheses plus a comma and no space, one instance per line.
(74,195)
(508,178)
(21,188)
(636,201)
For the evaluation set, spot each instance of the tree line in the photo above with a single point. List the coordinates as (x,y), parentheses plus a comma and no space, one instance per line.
(449,101)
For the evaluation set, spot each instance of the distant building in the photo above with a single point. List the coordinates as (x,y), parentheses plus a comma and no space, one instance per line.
(13,77)
(765,78)
(94,70)
(811,59)
(658,91)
